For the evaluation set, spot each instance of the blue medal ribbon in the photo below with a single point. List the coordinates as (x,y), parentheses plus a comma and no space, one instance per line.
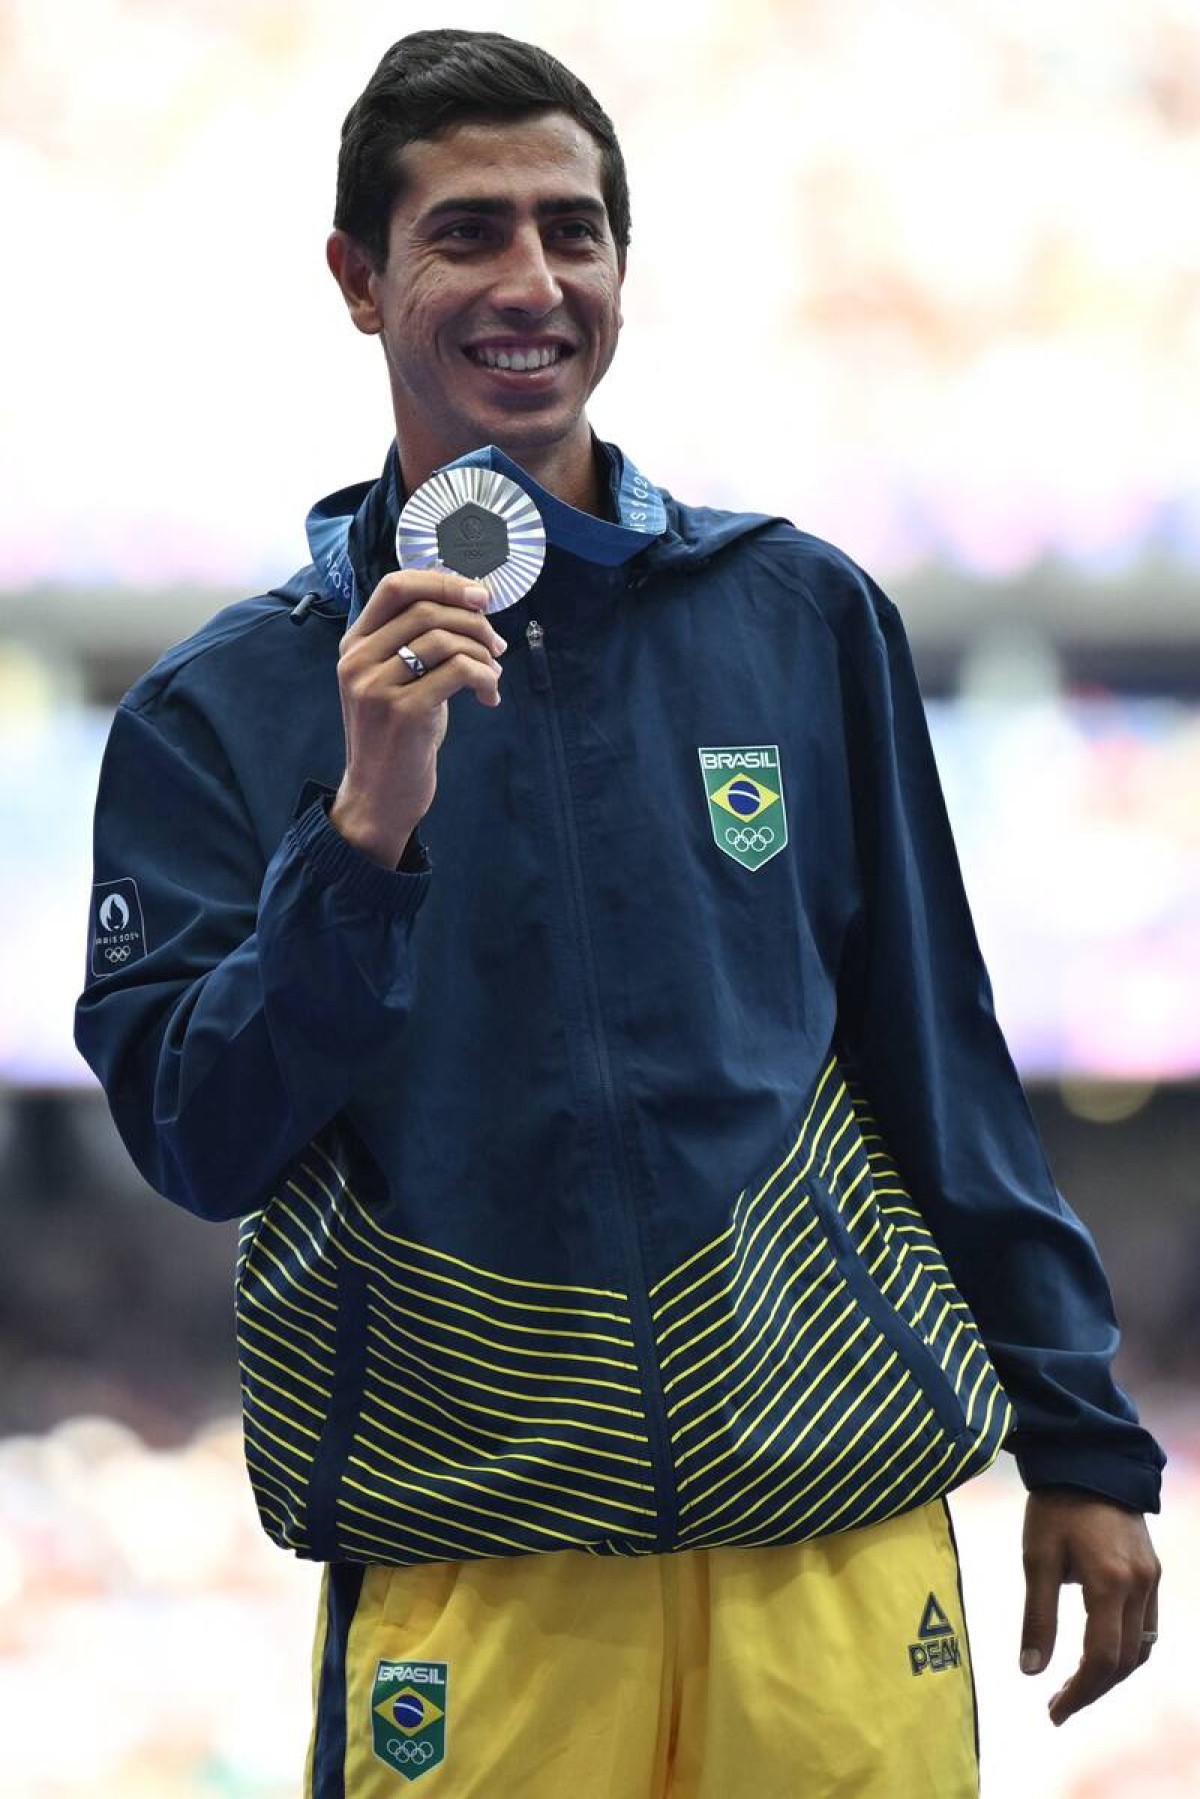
(639,506)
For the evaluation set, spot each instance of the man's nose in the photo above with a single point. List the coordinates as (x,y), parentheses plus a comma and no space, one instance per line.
(526,282)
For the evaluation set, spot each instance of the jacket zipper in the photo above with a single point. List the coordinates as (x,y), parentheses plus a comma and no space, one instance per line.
(639,1298)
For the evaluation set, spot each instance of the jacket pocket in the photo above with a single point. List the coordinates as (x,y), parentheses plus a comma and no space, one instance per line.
(899,1332)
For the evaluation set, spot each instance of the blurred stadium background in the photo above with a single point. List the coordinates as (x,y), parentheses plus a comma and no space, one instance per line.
(923,275)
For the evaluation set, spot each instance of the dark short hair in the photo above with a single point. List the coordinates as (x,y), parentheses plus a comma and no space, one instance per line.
(432,80)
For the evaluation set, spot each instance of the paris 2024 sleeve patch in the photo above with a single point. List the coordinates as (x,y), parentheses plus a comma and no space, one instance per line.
(118,928)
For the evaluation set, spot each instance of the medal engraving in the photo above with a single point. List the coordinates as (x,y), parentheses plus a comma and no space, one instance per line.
(473,541)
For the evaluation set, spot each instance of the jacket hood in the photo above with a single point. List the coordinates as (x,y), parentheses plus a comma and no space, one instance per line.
(351,533)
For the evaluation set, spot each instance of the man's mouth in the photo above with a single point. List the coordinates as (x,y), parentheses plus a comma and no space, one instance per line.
(521,360)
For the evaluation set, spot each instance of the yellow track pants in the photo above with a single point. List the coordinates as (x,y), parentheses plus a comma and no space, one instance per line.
(838,1666)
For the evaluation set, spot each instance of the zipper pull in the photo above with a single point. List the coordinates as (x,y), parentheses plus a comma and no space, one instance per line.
(539,668)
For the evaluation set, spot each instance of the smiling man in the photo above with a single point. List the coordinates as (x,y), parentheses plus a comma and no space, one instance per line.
(643,1228)
(497,298)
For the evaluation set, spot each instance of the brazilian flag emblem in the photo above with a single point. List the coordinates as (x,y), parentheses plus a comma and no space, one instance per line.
(744,785)
(408,1716)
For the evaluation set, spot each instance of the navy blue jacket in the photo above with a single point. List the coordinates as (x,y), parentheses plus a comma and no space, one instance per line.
(601,1184)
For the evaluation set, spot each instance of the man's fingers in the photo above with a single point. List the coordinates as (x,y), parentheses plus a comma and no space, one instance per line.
(398,591)
(1100,1664)
(414,622)
(1039,1626)
(371,672)
(1148,1632)
(461,670)
(1148,1627)
(437,647)
(1132,1625)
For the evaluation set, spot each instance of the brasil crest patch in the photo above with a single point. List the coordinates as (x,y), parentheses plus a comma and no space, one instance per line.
(744,786)
(408,1716)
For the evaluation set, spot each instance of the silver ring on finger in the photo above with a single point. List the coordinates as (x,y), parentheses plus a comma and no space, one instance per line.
(1149,1637)
(412,662)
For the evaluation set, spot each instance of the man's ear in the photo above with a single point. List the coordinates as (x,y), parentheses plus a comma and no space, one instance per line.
(355,274)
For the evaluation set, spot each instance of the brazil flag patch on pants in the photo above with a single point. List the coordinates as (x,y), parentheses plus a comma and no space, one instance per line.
(408,1716)
(744,784)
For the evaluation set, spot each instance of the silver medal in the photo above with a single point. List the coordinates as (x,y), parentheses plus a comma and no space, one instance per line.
(478,523)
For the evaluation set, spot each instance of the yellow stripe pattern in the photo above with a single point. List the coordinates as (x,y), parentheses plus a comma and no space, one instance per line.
(496,1416)
(820,1369)
(286,1327)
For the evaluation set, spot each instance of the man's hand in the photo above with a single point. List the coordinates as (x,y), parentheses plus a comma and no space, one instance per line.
(1073,1536)
(395,721)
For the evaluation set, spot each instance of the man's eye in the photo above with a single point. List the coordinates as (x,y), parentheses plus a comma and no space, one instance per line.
(577,230)
(467,231)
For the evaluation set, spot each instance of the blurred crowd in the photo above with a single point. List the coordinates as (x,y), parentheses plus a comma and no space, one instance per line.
(152,1643)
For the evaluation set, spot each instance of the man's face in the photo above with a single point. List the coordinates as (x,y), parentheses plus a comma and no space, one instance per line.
(499,306)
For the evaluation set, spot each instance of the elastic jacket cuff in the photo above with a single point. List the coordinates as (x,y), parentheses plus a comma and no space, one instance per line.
(337,863)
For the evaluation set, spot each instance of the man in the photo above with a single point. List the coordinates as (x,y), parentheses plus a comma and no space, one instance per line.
(643,1227)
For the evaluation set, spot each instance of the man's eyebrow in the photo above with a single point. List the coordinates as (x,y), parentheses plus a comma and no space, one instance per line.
(487,204)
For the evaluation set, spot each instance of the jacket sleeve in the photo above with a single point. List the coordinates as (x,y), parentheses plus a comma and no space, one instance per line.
(916,1018)
(266,987)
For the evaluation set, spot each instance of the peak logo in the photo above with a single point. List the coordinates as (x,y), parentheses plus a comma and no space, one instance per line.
(936,1648)
(118,928)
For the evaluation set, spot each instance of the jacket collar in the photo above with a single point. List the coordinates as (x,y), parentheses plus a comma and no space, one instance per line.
(351,534)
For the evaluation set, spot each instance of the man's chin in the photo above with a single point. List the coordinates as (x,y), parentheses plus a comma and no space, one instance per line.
(516,432)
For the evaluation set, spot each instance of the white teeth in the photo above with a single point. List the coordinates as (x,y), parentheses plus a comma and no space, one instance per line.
(521,360)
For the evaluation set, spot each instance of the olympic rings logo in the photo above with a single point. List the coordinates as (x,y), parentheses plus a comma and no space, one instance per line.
(121,954)
(410,1752)
(757,837)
